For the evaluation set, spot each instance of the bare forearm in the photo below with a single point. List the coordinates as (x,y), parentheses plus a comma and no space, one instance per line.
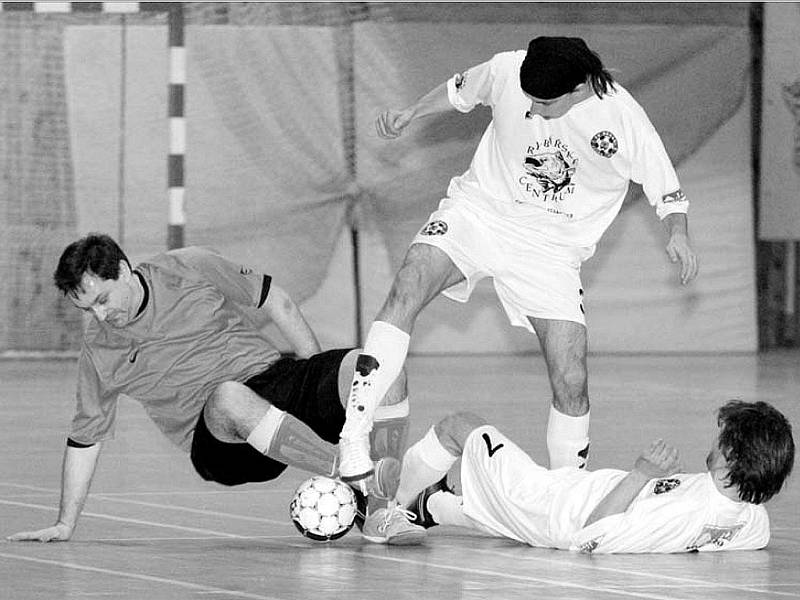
(620,498)
(391,123)
(659,460)
(678,246)
(77,472)
(290,321)
(432,103)
(300,335)
(676,223)
(76,477)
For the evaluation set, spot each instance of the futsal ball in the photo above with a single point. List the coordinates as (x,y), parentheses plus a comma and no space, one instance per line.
(323,509)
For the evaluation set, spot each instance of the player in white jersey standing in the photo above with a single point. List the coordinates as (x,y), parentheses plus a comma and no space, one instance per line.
(652,508)
(548,177)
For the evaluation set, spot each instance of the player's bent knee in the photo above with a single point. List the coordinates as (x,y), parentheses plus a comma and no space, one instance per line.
(455,428)
(223,400)
(570,389)
(229,402)
(421,276)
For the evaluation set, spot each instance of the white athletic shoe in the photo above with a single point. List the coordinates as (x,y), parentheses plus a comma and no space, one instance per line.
(382,487)
(355,465)
(354,461)
(393,526)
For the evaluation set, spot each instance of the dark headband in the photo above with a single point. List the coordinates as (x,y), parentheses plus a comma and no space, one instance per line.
(555,66)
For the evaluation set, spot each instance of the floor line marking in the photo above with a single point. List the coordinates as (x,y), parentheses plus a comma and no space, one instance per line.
(682,580)
(187,538)
(267,490)
(197,511)
(114,498)
(153,578)
(128,520)
(504,575)
(703,586)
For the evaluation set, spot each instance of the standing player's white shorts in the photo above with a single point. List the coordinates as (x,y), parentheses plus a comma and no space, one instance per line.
(531,276)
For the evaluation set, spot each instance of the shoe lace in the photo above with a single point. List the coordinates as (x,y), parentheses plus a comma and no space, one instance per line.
(393,513)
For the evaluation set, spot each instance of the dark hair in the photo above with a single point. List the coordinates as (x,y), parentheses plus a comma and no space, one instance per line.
(756,440)
(555,66)
(96,253)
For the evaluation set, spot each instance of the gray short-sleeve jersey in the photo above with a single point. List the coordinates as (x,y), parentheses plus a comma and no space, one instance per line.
(193,334)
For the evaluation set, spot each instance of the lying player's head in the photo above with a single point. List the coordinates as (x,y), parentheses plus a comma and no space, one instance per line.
(95,275)
(756,441)
(555,70)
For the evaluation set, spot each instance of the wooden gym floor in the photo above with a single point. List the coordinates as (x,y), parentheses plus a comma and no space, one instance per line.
(152,529)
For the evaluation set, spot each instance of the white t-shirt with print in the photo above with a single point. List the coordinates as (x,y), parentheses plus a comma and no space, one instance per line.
(507,494)
(681,513)
(565,178)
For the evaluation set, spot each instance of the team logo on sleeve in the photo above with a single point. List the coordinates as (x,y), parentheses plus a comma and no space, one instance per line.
(434,228)
(665,485)
(461,80)
(676,196)
(605,144)
(245,270)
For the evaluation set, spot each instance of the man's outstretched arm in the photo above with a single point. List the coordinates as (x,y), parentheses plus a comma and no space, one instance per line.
(391,123)
(76,478)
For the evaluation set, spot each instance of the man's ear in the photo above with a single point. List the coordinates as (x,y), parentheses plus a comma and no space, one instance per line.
(124,271)
(580,89)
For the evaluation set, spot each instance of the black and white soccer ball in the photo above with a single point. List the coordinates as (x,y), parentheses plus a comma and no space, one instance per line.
(323,509)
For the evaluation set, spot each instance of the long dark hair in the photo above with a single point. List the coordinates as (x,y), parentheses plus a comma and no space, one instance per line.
(756,440)
(96,253)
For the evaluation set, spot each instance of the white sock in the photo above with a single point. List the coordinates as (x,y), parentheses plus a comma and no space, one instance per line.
(567,439)
(448,509)
(288,440)
(424,463)
(262,435)
(388,346)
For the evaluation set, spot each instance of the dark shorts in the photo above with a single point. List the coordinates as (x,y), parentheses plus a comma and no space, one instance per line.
(305,388)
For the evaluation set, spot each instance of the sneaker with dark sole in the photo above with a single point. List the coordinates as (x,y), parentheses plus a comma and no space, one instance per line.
(419,508)
(393,526)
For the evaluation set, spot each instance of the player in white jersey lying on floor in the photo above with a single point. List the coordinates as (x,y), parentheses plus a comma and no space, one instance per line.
(655,507)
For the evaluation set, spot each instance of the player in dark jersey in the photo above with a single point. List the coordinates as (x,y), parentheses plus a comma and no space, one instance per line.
(181,333)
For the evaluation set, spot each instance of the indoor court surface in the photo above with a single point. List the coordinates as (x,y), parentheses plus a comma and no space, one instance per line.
(153,530)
